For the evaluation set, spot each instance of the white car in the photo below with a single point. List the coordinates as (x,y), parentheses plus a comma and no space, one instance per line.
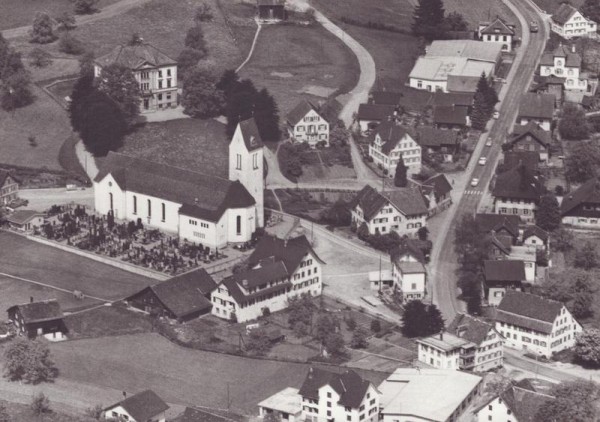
(496,114)
(482,161)
(488,143)
(474,181)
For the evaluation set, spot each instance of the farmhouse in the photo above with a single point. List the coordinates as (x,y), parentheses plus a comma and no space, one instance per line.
(565,63)
(581,208)
(536,237)
(192,414)
(516,404)
(530,137)
(388,98)
(305,124)
(551,85)
(200,208)
(448,393)
(26,220)
(369,116)
(271,10)
(568,22)
(517,191)
(529,159)
(279,269)
(9,188)
(145,406)
(507,225)
(536,324)
(436,191)
(155,72)
(453,99)
(497,31)
(439,141)
(394,142)
(451,117)
(182,298)
(538,108)
(39,319)
(500,277)
(402,210)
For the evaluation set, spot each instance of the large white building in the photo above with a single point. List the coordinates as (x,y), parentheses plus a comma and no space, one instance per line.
(305,124)
(568,22)
(565,64)
(497,31)
(442,350)
(515,404)
(200,208)
(517,192)
(392,143)
(409,275)
(278,270)
(155,72)
(536,324)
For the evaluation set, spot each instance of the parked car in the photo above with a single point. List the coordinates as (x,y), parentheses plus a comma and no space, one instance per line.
(482,161)
(533,27)
(488,143)
(474,181)
(496,114)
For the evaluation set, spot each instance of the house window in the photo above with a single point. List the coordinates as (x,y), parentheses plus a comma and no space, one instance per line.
(168,72)
(134,204)
(159,84)
(419,84)
(238,224)
(238,164)
(160,73)
(159,97)
(164,211)
(149,209)
(168,83)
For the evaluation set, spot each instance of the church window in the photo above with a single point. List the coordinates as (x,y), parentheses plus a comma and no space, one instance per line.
(134,204)
(238,224)
(149,209)
(255,161)
(238,164)
(164,211)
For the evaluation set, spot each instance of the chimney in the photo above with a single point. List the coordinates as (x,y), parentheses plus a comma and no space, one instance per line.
(441,335)
(30,299)
(124,394)
(196,201)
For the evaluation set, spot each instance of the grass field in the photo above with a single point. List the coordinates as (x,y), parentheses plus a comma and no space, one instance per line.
(22,413)
(176,374)
(295,62)
(107,321)
(31,260)
(550,6)
(199,145)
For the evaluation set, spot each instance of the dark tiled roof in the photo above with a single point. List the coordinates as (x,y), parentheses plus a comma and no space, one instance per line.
(428,136)
(370,201)
(135,56)
(202,196)
(523,403)
(539,106)
(531,129)
(391,133)
(469,328)
(142,406)
(298,112)
(235,288)
(506,270)
(440,185)
(462,84)
(291,251)
(408,247)
(528,310)
(572,59)
(498,26)
(529,159)
(201,415)
(4,175)
(268,271)
(563,13)
(250,134)
(271,2)
(349,385)
(588,193)
(406,200)
(453,99)
(450,115)
(387,98)
(22,216)
(502,242)
(518,183)
(374,112)
(534,230)
(46,310)
(496,222)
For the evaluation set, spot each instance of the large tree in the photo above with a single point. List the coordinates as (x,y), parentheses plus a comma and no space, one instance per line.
(266,114)
(200,96)
(188,59)
(575,401)
(83,88)
(547,215)
(85,7)
(428,19)
(42,30)
(195,39)
(359,338)
(420,320)
(575,288)
(586,257)
(587,347)
(573,123)
(66,22)
(400,177)
(583,162)
(591,9)
(120,85)
(102,124)
(14,79)
(480,114)
(28,361)
(259,342)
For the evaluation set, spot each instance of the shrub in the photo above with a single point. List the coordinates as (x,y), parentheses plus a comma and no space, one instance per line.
(40,404)
(39,57)
(375,326)
(70,45)
(85,7)
(195,39)
(41,31)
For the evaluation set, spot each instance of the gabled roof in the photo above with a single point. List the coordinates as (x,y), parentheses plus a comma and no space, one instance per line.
(407,267)
(408,201)
(142,406)
(391,133)
(563,13)
(431,137)
(298,112)
(519,183)
(200,415)
(135,57)
(270,2)
(496,222)
(439,184)
(250,134)
(377,112)
(202,196)
(536,105)
(46,310)
(534,230)
(4,175)
(531,129)
(266,272)
(450,115)
(588,193)
(407,247)
(572,59)
(470,328)
(502,242)
(504,270)
(528,310)
(349,385)
(523,403)
(529,159)
(289,251)
(23,216)
(387,98)
(470,49)
(453,99)
(499,27)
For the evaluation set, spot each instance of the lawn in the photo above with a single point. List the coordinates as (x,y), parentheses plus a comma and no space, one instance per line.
(22,413)
(550,6)
(295,62)
(107,321)
(199,145)
(178,375)
(31,260)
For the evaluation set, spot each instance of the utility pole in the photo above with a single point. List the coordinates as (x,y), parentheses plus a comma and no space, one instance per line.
(380,273)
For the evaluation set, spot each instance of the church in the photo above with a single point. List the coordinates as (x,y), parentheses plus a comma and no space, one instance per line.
(200,208)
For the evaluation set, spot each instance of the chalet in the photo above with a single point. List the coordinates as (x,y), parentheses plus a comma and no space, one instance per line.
(39,319)
(517,192)
(568,22)
(394,142)
(182,298)
(271,10)
(565,63)
(200,208)
(538,108)
(488,352)
(512,159)
(530,137)
(436,191)
(369,116)
(536,324)
(448,392)
(9,188)
(278,270)
(154,71)
(501,277)
(402,210)
(26,220)
(536,237)
(499,224)
(451,117)
(515,404)
(145,406)
(439,141)
(497,31)
(305,124)
(581,208)
(409,276)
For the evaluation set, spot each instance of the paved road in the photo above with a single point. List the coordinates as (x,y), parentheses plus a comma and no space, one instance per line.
(443,256)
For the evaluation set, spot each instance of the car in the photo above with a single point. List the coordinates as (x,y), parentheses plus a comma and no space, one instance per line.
(496,114)
(533,27)
(488,143)
(474,181)
(482,161)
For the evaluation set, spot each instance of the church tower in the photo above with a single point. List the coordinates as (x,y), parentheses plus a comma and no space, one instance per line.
(246,163)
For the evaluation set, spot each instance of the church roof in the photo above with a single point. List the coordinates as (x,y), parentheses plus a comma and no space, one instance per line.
(251,134)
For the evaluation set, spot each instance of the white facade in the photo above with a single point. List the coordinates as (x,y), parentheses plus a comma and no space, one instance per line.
(521,207)
(489,353)
(311,129)
(407,148)
(119,413)
(577,26)
(407,279)
(570,73)
(545,124)
(388,219)
(495,294)
(581,222)
(327,407)
(534,241)
(505,40)
(437,357)
(428,84)
(495,411)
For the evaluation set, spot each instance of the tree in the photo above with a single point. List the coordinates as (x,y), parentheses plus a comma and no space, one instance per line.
(334,344)
(195,39)
(187,61)
(400,179)
(338,136)
(94,412)
(363,231)
(200,97)
(573,124)
(423,233)
(203,14)
(582,164)
(86,65)
(324,326)
(266,115)
(562,240)
(591,10)
(428,19)
(28,361)
(574,401)
(85,7)
(67,43)
(350,323)
(82,89)
(41,31)
(300,310)
(120,85)
(376,326)
(454,21)
(40,404)
(66,22)
(587,256)
(489,93)
(4,416)
(474,301)
(480,113)
(359,338)
(548,213)
(39,57)
(259,342)
(435,322)
(15,92)
(587,347)
(575,288)
(338,214)
(102,124)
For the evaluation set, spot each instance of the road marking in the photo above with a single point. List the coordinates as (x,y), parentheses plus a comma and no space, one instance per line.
(473,192)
